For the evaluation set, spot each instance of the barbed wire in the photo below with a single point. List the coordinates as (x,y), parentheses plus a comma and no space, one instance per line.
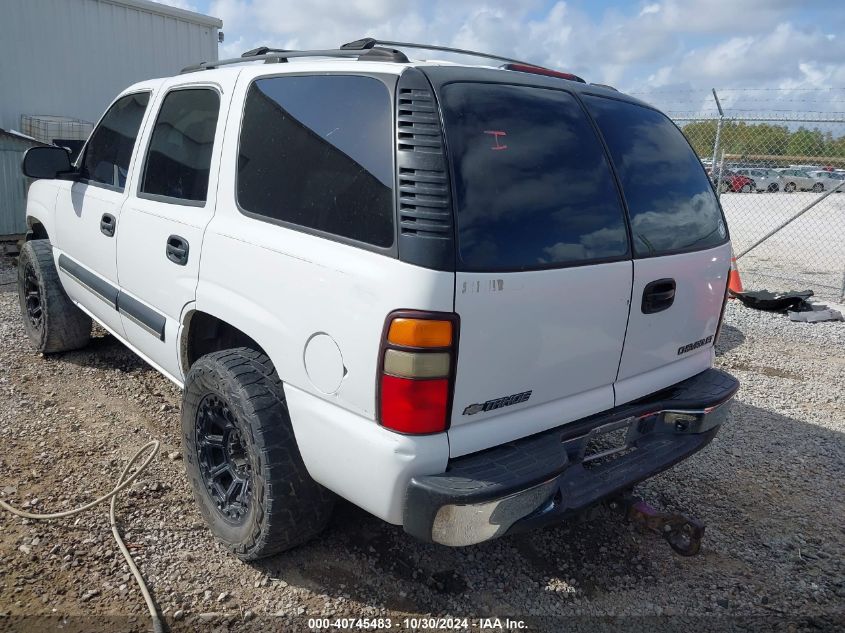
(758,116)
(723,90)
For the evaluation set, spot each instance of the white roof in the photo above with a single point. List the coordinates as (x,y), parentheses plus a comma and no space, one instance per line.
(253,68)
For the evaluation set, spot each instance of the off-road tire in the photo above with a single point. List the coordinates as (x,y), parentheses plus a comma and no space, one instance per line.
(63,326)
(287,507)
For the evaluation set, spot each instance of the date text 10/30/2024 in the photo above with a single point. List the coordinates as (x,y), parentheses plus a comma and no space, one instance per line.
(417,624)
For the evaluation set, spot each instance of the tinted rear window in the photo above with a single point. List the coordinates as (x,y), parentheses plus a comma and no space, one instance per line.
(533,187)
(317,152)
(670,200)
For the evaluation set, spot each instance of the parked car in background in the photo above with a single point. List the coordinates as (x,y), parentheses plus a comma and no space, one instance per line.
(831,179)
(765,179)
(798,179)
(736,182)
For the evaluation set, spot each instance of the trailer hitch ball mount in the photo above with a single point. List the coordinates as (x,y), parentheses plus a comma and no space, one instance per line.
(682,533)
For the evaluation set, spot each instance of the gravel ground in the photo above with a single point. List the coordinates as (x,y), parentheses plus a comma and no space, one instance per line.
(769,488)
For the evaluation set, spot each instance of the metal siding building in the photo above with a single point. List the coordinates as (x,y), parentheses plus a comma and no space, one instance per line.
(70,58)
(12,183)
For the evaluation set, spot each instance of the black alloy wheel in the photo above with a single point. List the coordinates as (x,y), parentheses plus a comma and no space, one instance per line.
(52,322)
(32,297)
(223,459)
(249,480)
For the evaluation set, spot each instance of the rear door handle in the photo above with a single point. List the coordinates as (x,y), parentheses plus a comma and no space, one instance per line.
(108,225)
(177,250)
(658,295)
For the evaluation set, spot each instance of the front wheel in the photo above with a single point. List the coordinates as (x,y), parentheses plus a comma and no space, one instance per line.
(724,187)
(818,187)
(789,187)
(51,320)
(247,474)
(746,188)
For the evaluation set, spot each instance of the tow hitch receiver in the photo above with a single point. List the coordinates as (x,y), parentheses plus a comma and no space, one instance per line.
(683,533)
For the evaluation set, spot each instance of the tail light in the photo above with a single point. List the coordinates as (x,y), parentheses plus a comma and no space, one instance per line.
(417,371)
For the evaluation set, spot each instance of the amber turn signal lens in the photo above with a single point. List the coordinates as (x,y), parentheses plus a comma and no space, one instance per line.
(420,333)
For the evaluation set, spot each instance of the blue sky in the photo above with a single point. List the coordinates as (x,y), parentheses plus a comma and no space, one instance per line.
(657,46)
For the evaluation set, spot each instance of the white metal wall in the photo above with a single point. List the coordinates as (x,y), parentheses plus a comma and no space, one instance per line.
(71,57)
(13,185)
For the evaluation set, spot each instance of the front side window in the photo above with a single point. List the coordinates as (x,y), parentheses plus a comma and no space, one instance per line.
(533,187)
(179,155)
(109,150)
(671,204)
(317,152)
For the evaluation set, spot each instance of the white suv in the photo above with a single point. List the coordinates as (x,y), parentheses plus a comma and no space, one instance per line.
(435,290)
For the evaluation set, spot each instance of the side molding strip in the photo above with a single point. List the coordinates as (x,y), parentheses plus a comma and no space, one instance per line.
(146,318)
(98,286)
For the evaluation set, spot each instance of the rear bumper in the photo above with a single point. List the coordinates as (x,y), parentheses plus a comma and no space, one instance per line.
(544,478)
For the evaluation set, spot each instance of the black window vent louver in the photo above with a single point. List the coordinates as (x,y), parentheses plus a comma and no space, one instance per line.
(426,232)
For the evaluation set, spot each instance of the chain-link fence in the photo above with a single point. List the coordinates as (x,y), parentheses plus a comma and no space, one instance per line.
(777,176)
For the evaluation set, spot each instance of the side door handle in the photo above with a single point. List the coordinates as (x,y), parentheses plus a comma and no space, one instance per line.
(658,295)
(108,224)
(177,250)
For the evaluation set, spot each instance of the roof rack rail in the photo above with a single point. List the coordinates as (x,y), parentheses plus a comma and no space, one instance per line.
(510,64)
(263,50)
(369,43)
(278,55)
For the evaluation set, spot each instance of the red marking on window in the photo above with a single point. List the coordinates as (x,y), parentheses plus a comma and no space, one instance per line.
(496,134)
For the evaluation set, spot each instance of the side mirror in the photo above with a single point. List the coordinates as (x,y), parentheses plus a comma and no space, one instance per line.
(47,162)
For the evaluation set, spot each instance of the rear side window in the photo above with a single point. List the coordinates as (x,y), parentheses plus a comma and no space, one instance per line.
(107,154)
(179,155)
(317,152)
(533,187)
(670,200)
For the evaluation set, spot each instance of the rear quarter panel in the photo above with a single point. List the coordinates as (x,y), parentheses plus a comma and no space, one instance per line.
(283,287)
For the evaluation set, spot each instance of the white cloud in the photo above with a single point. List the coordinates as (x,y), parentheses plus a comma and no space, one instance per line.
(785,54)
(666,43)
(661,77)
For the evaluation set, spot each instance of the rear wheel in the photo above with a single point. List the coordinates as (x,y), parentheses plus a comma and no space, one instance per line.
(818,187)
(248,477)
(789,187)
(746,188)
(773,187)
(724,187)
(51,320)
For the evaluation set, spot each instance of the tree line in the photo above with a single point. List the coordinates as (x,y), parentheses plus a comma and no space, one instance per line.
(745,139)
